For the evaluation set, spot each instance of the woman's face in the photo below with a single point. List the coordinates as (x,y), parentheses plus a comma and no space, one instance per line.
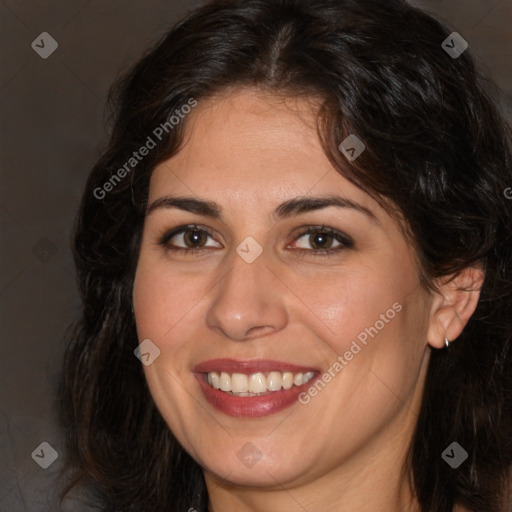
(287,272)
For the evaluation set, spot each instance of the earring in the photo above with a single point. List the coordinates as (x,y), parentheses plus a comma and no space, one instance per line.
(446,344)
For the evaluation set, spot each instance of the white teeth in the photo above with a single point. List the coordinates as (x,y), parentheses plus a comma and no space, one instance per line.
(275,381)
(214,380)
(257,383)
(287,380)
(241,384)
(225,382)
(307,377)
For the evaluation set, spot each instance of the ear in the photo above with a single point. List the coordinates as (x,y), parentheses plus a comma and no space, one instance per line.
(453,304)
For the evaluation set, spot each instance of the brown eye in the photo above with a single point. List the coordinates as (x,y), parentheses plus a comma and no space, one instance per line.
(194,238)
(322,239)
(188,238)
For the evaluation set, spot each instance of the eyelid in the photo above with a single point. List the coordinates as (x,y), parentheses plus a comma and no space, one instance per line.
(342,238)
(339,236)
(164,239)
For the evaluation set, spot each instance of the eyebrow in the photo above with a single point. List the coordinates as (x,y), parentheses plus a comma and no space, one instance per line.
(295,206)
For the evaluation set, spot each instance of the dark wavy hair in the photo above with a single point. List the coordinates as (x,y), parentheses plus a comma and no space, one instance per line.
(437,153)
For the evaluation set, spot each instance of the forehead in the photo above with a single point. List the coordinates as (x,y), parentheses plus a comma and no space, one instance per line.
(254,147)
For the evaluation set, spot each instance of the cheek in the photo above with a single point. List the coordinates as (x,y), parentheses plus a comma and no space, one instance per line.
(165,300)
(370,330)
(373,316)
(164,304)
(356,303)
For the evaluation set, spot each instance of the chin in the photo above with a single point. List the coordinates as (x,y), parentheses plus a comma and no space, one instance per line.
(259,475)
(240,467)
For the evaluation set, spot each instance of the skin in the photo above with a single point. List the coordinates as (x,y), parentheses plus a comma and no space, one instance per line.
(345,449)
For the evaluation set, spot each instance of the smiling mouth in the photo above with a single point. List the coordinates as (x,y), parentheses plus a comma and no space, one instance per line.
(256,384)
(252,388)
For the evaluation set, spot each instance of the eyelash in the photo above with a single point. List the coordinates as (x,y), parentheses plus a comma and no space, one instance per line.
(345,241)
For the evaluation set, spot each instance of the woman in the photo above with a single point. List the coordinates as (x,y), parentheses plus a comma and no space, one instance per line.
(299,228)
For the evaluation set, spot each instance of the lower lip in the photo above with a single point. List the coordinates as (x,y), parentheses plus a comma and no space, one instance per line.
(252,406)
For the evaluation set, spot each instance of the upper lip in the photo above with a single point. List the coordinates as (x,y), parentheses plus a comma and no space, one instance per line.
(249,367)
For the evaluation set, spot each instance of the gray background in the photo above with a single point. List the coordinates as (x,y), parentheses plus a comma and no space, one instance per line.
(52,131)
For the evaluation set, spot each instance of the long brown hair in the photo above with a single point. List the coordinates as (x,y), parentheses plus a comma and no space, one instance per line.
(436,149)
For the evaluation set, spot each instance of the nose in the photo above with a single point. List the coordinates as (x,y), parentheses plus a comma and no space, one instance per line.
(247,303)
